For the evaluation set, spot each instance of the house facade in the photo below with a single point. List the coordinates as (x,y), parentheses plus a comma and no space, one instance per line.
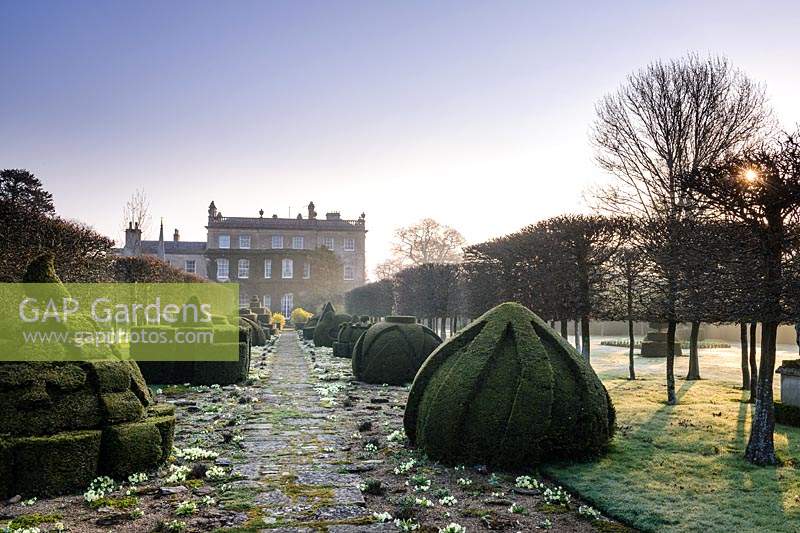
(185,255)
(269,257)
(273,258)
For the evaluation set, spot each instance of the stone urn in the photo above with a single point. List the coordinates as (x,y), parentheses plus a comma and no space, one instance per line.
(655,342)
(790,382)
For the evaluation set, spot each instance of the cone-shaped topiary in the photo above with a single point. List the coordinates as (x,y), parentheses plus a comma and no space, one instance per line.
(327,329)
(508,391)
(392,351)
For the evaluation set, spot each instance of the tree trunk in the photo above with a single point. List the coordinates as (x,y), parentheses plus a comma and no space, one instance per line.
(443,327)
(671,398)
(631,371)
(761,447)
(753,363)
(745,362)
(585,340)
(694,356)
(564,329)
(631,341)
(577,335)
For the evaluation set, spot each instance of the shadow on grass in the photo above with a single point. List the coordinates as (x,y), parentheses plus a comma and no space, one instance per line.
(681,467)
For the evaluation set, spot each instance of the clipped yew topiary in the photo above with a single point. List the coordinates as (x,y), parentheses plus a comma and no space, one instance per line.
(65,423)
(393,350)
(508,391)
(327,329)
(349,332)
(257,335)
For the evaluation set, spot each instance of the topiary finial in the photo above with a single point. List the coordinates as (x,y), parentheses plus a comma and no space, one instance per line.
(41,270)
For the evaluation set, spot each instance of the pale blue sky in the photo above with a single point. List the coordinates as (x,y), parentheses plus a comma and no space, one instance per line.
(474,113)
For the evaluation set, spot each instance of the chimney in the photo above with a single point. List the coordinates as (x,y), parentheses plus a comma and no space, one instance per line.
(312,214)
(133,240)
(333,215)
(176,236)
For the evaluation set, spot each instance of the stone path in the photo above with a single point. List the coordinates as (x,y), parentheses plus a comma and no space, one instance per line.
(294,452)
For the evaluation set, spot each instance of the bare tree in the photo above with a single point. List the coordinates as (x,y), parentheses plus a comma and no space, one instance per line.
(388,269)
(668,120)
(137,210)
(427,241)
(761,190)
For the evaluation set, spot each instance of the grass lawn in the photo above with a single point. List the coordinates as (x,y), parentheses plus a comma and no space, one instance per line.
(681,468)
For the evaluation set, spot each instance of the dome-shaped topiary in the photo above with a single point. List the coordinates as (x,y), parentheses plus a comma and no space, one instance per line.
(327,329)
(392,351)
(508,391)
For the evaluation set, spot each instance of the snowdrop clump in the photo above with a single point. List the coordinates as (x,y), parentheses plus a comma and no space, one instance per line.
(382,517)
(100,487)
(216,472)
(528,483)
(448,501)
(405,468)
(194,453)
(557,496)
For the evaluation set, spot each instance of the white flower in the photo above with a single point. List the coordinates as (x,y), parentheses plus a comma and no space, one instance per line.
(186,508)
(216,472)
(448,501)
(528,483)
(423,502)
(99,488)
(405,468)
(396,436)
(589,512)
(516,509)
(464,482)
(195,453)
(139,477)
(382,517)
(178,474)
(557,496)
(453,528)
(406,525)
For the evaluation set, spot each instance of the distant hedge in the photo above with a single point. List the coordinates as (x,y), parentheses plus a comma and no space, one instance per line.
(149,269)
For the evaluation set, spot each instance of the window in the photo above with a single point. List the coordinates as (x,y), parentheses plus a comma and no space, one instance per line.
(190,266)
(349,273)
(297,243)
(349,245)
(267,301)
(267,268)
(222,269)
(244,268)
(243,300)
(277,241)
(244,242)
(328,242)
(288,269)
(306,270)
(224,241)
(287,304)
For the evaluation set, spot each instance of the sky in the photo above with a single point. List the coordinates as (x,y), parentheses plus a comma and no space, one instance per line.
(476,114)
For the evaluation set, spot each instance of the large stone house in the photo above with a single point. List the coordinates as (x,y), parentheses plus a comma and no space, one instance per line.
(272,258)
